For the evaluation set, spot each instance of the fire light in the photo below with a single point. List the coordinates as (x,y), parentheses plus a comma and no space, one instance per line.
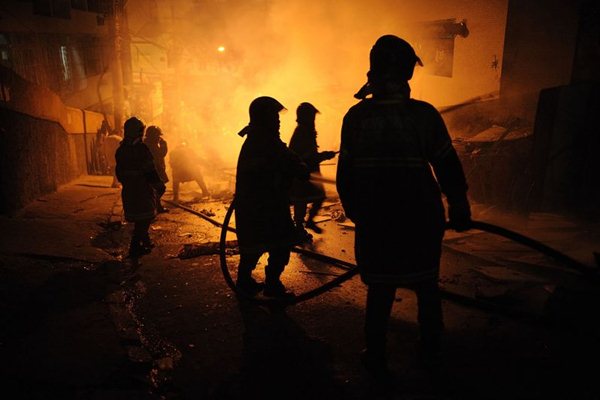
(221,49)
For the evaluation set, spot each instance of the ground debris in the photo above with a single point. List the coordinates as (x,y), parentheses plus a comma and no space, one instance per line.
(319,273)
(112,225)
(506,275)
(192,250)
(208,212)
(349,225)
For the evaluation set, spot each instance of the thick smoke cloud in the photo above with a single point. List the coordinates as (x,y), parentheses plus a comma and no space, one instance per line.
(295,51)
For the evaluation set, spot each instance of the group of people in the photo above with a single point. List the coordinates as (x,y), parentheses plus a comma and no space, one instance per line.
(396,159)
(139,165)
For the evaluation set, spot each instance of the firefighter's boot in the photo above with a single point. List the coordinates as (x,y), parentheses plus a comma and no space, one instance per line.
(310,224)
(246,283)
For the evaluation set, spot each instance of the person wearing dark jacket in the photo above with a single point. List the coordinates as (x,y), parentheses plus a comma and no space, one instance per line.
(391,146)
(136,171)
(304,143)
(159,149)
(265,171)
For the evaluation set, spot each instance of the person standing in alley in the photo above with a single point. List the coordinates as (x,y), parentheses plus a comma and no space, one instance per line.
(304,143)
(391,146)
(137,173)
(158,147)
(185,167)
(108,143)
(265,171)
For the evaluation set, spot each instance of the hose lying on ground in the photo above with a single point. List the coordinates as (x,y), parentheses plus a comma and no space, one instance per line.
(351,269)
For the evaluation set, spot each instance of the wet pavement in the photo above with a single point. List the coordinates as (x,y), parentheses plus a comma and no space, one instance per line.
(81,321)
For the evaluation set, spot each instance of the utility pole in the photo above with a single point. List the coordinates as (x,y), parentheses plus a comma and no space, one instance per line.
(117,68)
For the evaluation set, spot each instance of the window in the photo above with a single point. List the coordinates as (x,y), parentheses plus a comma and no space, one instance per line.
(64,58)
(4,51)
(52,8)
(92,52)
(42,7)
(435,44)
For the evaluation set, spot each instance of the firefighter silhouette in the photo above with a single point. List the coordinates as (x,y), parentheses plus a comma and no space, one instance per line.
(390,144)
(304,143)
(265,171)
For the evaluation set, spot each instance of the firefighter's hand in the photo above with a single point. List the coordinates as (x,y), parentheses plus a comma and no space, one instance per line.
(459,216)
(328,155)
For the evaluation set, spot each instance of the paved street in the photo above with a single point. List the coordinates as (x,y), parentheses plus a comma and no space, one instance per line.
(80,321)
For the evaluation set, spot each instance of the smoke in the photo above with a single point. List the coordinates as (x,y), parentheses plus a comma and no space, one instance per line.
(295,51)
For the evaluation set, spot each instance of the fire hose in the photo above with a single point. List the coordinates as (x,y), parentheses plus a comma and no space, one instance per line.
(351,269)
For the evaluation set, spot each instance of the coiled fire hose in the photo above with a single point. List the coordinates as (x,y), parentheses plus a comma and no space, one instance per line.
(352,269)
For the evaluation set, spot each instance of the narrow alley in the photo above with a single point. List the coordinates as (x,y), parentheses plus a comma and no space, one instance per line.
(83,322)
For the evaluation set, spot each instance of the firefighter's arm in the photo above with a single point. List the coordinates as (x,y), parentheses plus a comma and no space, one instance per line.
(451,178)
(163,148)
(296,166)
(344,174)
(450,175)
(118,168)
(326,155)
(149,169)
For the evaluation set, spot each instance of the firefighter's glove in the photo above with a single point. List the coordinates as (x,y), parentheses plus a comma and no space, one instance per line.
(328,155)
(459,216)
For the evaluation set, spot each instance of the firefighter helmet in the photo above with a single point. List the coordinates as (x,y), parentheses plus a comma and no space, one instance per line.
(306,112)
(264,107)
(153,132)
(390,53)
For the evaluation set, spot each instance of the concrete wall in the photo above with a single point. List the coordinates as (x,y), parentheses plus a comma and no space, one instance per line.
(565,157)
(67,55)
(36,156)
(474,73)
(42,142)
(18,16)
(538,50)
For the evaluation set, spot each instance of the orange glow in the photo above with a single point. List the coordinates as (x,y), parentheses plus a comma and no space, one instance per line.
(298,51)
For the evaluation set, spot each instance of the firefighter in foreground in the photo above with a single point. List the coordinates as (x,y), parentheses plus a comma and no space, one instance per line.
(136,171)
(159,149)
(304,143)
(389,145)
(265,171)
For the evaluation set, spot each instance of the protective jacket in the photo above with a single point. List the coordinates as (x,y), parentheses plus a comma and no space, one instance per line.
(265,170)
(159,150)
(390,149)
(136,171)
(304,144)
